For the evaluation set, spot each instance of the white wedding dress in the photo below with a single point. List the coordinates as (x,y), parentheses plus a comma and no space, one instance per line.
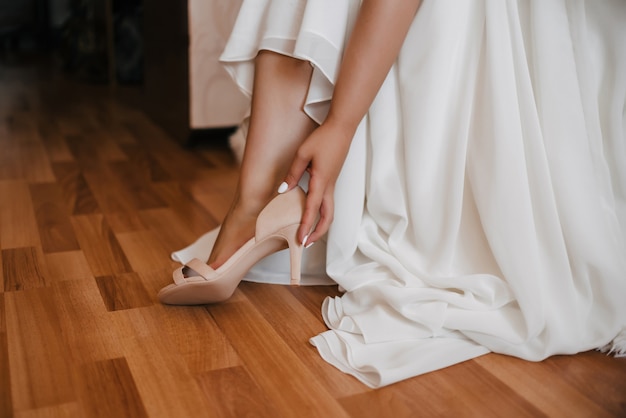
(482,206)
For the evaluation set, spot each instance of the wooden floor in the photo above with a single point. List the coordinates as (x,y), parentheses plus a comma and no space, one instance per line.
(93,198)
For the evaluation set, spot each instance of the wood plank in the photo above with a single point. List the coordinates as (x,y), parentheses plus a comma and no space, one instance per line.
(107,149)
(194,215)
(154,280)
(296,325)
(219,155)
(312,297)
(83,150)
(123,291)
(77,195)
(214,187)
(170,230)
(271,362)
(137,182)
(53,141)
(70,126)
(125,221)
(35,160)
(107,389)
(144,162)
(156,170)
(65,410)
(101,113)
(192,334)
(607,373)
(18,226)
(1,275)
(23,268)
(9,157)
(100,246)
(233,393)
(89,330)
(165,385)
(179,163)
(6,403)
(530,380)
(40,373)
(110,196)
(462,390)
(70,265)
(55,229)
(80,115)
(394,403)
(31,154)
(144,252)
(119,133)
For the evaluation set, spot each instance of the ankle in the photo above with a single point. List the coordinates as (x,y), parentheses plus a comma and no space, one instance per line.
(251,203)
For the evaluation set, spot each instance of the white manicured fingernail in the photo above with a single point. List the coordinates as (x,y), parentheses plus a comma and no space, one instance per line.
(309,245)
(283,187)
(306,237)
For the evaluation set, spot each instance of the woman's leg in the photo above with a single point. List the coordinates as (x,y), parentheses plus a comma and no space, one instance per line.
(278,125)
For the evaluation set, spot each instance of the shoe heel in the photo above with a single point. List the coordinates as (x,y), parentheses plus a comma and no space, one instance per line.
(295,251)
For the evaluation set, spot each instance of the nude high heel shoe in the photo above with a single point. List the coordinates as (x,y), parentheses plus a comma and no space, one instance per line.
(196,283)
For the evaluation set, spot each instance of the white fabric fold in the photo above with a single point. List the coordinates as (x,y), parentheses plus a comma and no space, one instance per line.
(482,206)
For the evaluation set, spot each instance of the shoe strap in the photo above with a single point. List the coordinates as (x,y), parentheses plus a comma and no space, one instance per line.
(199,272)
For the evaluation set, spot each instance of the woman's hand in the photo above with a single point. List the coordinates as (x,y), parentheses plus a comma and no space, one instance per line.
(322,154)
(374,44)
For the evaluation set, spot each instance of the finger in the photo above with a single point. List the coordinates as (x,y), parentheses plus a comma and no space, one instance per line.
(296,170)
(326,218)
(311,210)
(309,218)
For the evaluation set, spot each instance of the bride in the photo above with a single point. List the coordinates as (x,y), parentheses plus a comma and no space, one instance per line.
(466,172)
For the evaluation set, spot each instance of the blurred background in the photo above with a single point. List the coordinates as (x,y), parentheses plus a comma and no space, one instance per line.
(97,40)
(160,55)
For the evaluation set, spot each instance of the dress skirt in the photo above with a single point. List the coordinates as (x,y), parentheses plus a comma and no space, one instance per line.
(482,206)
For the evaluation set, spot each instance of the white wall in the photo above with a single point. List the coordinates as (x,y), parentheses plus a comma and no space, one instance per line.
(215,99)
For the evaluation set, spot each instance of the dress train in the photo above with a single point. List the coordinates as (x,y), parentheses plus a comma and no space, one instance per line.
(482,206)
